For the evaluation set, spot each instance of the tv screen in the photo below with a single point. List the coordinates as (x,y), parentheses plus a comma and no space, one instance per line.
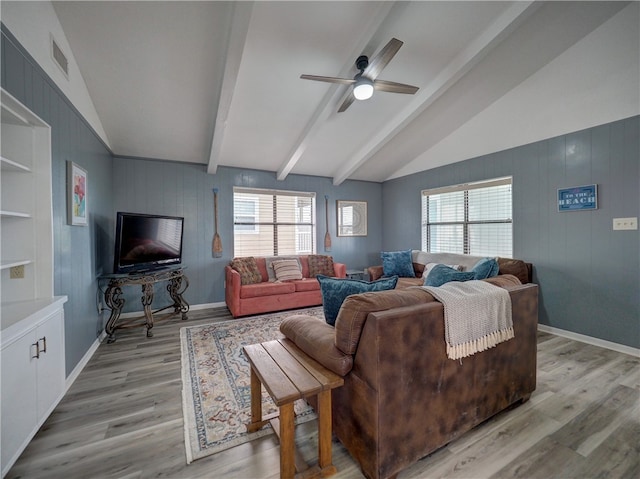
(147,242)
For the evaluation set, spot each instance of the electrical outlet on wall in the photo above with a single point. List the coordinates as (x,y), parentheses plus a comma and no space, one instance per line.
(625,223)
(16,272)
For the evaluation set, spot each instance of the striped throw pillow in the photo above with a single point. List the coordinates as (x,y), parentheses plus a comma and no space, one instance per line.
(287,270)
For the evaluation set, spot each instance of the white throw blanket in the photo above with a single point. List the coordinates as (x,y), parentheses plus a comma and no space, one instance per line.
(477,316)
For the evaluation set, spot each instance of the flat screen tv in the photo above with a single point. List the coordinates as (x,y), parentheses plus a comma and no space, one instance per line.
(147,242)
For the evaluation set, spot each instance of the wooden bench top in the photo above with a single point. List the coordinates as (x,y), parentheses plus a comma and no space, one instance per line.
(287,372)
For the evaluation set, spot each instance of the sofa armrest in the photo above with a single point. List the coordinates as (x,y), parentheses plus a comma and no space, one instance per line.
(232,285)
(375,272)
(340,270)
(316,338)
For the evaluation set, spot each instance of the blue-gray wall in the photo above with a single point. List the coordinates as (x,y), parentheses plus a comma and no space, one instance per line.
(79,251)
(160,187)
(589,275)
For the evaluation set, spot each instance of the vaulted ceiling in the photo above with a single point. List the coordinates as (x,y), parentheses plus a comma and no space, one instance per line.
(218,83)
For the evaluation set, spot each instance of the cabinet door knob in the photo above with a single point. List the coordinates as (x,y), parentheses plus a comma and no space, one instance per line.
(44,344)
(37,345)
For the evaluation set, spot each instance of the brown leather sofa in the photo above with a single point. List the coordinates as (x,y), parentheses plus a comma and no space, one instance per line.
(403,398)
(520,269)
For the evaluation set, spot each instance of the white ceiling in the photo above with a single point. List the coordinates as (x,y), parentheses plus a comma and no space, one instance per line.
(219,83)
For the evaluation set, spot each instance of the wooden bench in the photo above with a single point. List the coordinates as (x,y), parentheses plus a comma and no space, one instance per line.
(288,374)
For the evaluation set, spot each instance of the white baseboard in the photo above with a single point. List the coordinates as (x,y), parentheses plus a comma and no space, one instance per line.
(621,348)
(83,362)
(91,351)
(207,306)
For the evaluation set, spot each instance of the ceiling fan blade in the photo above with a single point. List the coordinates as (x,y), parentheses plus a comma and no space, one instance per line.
(342,81)
(393,87)
(347,102)
(384,56)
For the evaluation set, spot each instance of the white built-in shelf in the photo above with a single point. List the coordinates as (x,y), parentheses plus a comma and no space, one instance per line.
(26,232)
(10,112)
(14,214)
(10,263)
(9,165)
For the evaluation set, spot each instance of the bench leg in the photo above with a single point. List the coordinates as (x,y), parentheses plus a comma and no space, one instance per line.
(256,404)
(324,434)
(287,442)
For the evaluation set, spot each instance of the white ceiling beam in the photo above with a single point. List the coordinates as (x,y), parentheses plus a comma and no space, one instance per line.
(456,69)
(327,105)
(241,17)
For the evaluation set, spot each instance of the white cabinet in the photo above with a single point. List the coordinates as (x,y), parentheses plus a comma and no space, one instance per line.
(33,376)
(31,318)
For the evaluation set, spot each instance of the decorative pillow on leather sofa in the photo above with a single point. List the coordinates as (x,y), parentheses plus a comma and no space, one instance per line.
(441,274)
(335,290)
(287,270)
(320,264)
(485,268)
(429,266)
(397,263)
(248,269)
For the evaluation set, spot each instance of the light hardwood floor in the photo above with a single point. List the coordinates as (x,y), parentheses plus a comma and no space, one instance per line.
(122,418)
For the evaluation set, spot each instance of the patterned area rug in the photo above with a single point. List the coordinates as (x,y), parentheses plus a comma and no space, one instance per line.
(216,384)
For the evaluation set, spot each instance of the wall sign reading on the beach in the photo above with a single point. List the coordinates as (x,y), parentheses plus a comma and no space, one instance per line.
(578,198)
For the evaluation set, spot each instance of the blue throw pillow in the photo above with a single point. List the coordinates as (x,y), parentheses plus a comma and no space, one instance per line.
(485,268)
(441,274)
(335,291)
(397,263)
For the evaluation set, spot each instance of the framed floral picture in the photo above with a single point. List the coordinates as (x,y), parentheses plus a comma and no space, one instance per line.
(76,195)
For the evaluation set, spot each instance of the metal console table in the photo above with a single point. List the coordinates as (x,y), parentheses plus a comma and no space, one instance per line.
(177,285)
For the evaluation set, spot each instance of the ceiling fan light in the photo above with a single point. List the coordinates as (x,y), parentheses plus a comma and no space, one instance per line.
(363,89)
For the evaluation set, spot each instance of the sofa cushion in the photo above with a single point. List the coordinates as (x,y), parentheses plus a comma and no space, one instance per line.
(269,263)
(467,261)
(306,284)
(516,267)
(316,338)
(441,274)
(429,266)
(262,267)
(397,263)
(485,268)
(247,267)
(355,309)
(266,289)
(504,280)
(335,290)
(287,269)
(408,282)
(320,264)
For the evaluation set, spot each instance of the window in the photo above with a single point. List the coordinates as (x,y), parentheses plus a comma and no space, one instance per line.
(273,222)
(245,215)
(474,218)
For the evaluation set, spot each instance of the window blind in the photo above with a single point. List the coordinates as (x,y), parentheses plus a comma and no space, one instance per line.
(473,218)
(273,222)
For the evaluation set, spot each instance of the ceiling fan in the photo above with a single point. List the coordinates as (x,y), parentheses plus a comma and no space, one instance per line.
(365,82)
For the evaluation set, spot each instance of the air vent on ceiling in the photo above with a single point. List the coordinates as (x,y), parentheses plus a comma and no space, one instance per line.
(59,57)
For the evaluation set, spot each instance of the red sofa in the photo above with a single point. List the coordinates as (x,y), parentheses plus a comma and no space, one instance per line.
(268,296)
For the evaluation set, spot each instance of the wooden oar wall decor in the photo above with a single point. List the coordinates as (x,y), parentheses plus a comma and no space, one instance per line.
(217,242)
(327,236)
